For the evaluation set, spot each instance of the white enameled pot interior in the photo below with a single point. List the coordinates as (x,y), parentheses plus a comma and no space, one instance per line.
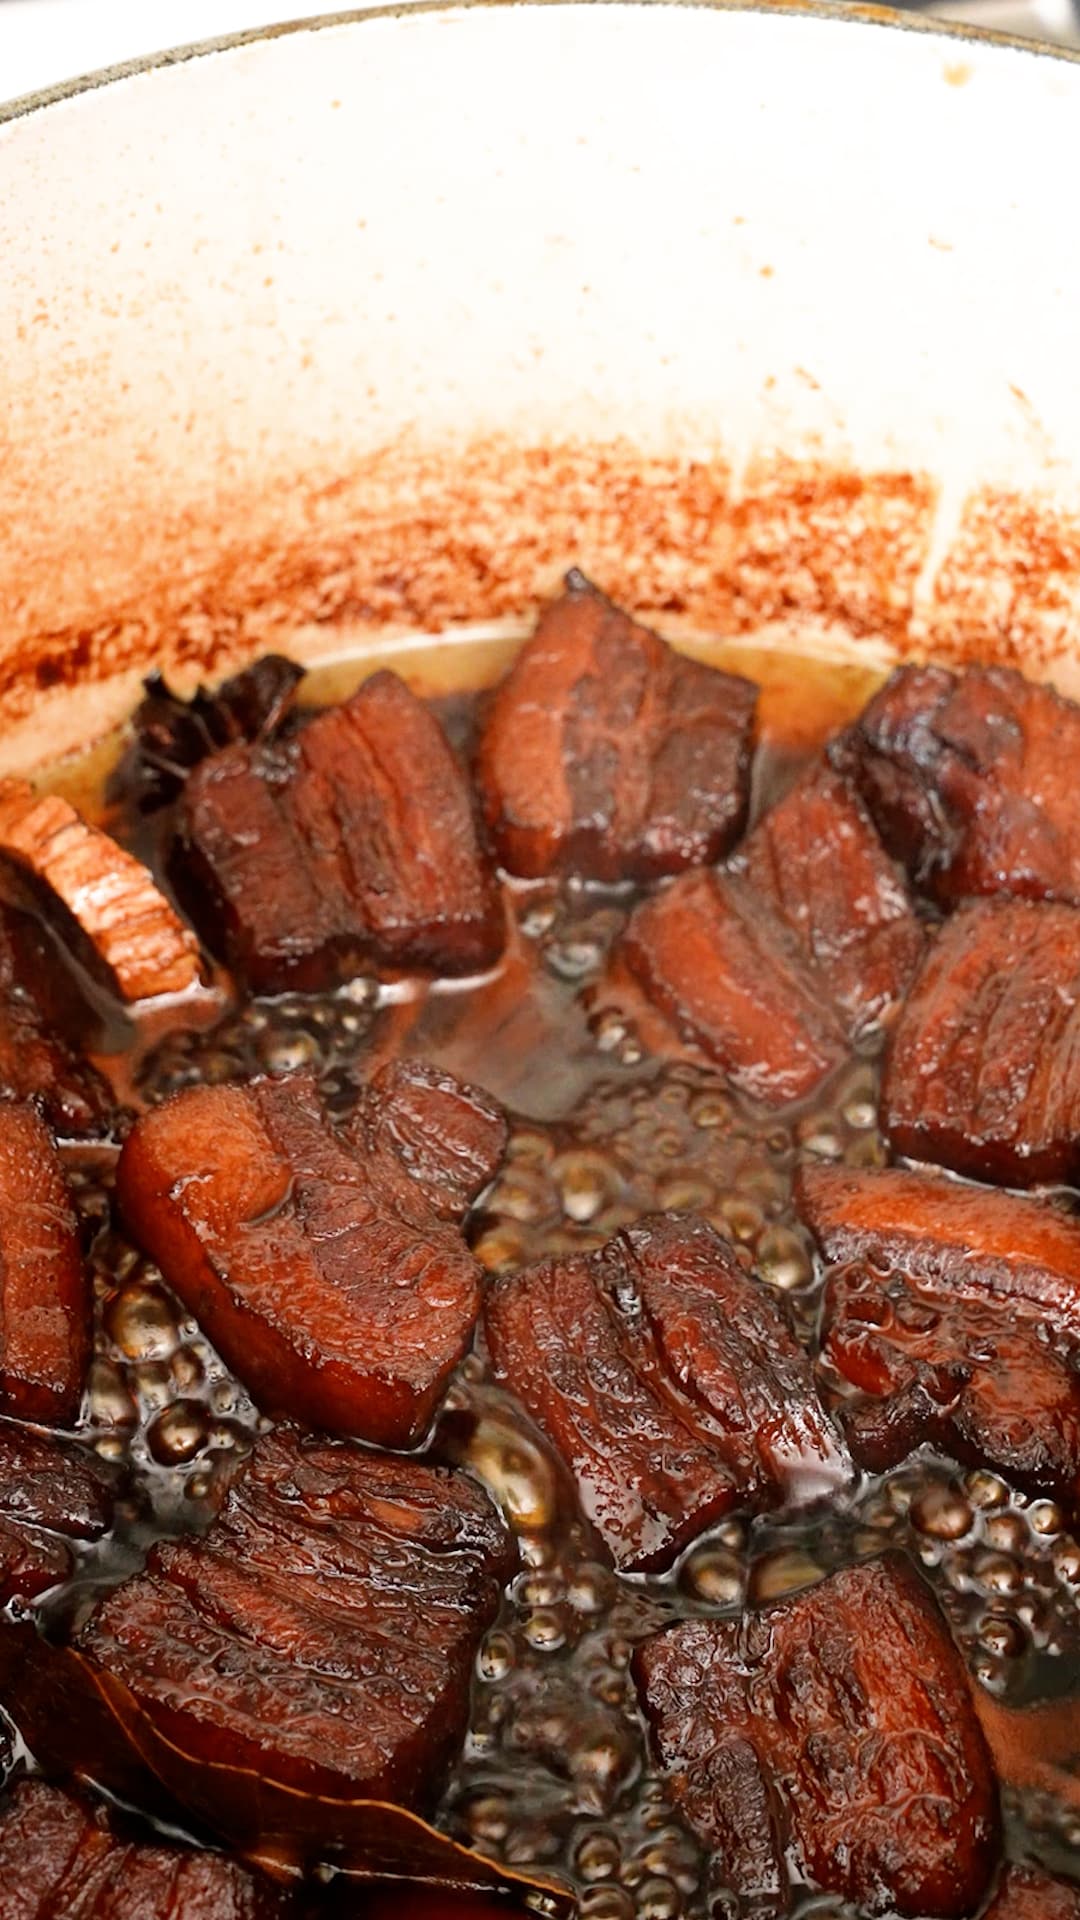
(767,318)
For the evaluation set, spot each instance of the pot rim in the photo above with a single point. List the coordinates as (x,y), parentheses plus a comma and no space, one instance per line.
(859,14)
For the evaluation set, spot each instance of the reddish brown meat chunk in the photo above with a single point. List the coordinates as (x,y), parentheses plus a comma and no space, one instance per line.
(118,919)
(61,1860)
(669,1381)
(251,883)
(774,966)
(1026,1893)
(984,1070)
(450,1138)
(954,1313)
(988,1388)
(937,1229)
(353,843)
(321,1634)
(44,1286)
(607,754)
(731,976)
(35,1063)
(832,1735)
(969,778)
(51,1493)
(817,859)
(323,1275)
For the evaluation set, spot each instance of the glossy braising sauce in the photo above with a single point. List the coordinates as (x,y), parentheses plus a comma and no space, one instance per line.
(555,1772)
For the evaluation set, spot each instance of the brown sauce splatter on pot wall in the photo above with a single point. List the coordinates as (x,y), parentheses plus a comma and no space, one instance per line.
(322,562)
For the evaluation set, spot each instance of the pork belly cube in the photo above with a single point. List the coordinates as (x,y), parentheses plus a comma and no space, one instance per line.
(449,1137)
(61,1860)
(253,887)
(730,975)
(322,1274)
(1026,1893)
(605,753)
(817,859)
(36,1063)
(381,798)
(105,902)
(832,1734)
(44,1284)
(776,964)
(965,1377)
(52,1493)
(353,844)
(953,1316)
(1021,1249)
(321,1635)
(670,1382)
(969,777)
(983,1074)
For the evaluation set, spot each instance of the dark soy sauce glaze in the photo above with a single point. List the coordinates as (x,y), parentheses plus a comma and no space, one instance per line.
(554,1772)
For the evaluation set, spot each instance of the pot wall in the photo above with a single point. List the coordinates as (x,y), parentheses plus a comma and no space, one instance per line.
(768,319)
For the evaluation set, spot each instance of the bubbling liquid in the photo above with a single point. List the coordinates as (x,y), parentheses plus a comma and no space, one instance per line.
(555,1772)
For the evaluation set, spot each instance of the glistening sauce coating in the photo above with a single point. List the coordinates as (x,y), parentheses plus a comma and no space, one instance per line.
(605,1128)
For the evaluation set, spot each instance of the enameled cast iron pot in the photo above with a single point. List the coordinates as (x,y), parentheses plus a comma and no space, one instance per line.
(768,317)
